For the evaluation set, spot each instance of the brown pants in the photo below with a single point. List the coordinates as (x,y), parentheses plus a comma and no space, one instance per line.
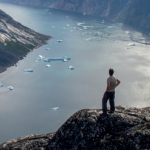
(111,97)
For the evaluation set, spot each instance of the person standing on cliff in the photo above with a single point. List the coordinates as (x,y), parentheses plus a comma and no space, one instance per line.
(112,83)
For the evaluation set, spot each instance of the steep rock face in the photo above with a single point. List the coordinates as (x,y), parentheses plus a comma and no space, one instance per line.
(16,41)
(133,12)
(127,128)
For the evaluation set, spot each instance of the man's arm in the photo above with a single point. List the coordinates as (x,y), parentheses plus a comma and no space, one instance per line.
(118,82)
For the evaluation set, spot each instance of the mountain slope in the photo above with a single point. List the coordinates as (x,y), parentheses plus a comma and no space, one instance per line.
(133,12)
(16,41)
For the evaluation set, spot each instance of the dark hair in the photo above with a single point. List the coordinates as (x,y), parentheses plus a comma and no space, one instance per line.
(111,71)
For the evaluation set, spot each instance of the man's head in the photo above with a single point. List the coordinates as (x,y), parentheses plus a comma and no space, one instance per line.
(111,71)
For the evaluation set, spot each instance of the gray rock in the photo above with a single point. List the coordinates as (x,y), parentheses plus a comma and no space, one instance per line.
(127,128)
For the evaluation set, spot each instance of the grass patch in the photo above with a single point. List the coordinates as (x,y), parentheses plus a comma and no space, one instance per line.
(17,48)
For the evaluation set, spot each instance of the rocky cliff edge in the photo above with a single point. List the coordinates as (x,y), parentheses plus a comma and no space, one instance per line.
(88,129)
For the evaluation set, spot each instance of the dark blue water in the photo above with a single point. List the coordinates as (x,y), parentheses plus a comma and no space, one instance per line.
(28,108)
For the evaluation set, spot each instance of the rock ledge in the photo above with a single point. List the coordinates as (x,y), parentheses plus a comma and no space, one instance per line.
(127,128)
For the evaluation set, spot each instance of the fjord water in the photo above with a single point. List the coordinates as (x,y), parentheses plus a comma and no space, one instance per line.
(93,50)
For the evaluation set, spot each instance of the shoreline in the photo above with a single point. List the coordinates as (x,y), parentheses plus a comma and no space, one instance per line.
(3,69)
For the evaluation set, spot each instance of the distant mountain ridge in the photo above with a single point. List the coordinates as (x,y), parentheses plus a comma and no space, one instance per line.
(16,41)
(132,12)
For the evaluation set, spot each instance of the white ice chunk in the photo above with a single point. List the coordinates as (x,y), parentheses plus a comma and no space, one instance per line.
(85,27)
(103,21)
(48,65)
(10,87)
(71,67)
(1,84)
(40,57)
(48,49)
(131,44)
(46,60)
(89,39)
(68,25)
(84,13)
(28,70)
(79,24)
(127,32)
(59,41)
(55,108)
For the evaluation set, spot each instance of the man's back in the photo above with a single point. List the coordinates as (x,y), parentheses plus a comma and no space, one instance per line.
(112,80)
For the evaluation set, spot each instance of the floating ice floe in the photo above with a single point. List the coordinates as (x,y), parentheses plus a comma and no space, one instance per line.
(79,24)
(48,49)
(64,59)
(127,32)
(110,27)
(89,39)
(46,60)
(40,57)
(10,87)
(55,108)
(48,65)
(131,44)
(71,67)
(84,13)
(68,25)
(103,21)
(1,84)
(85,27)
(59,41)
(28,70)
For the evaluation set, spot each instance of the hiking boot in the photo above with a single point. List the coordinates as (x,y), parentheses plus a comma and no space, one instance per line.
(111,112)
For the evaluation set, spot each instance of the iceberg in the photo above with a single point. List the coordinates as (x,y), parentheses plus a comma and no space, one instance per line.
(64,59)
(71,67)
(80,24)
(89,39)
(28,70)
(55,108)
(48,65)
(131,44)
(10,87)
(40,57)
(1,84)
(127,32)
(46,60)
(103,21)
(48,49)
(59,41)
